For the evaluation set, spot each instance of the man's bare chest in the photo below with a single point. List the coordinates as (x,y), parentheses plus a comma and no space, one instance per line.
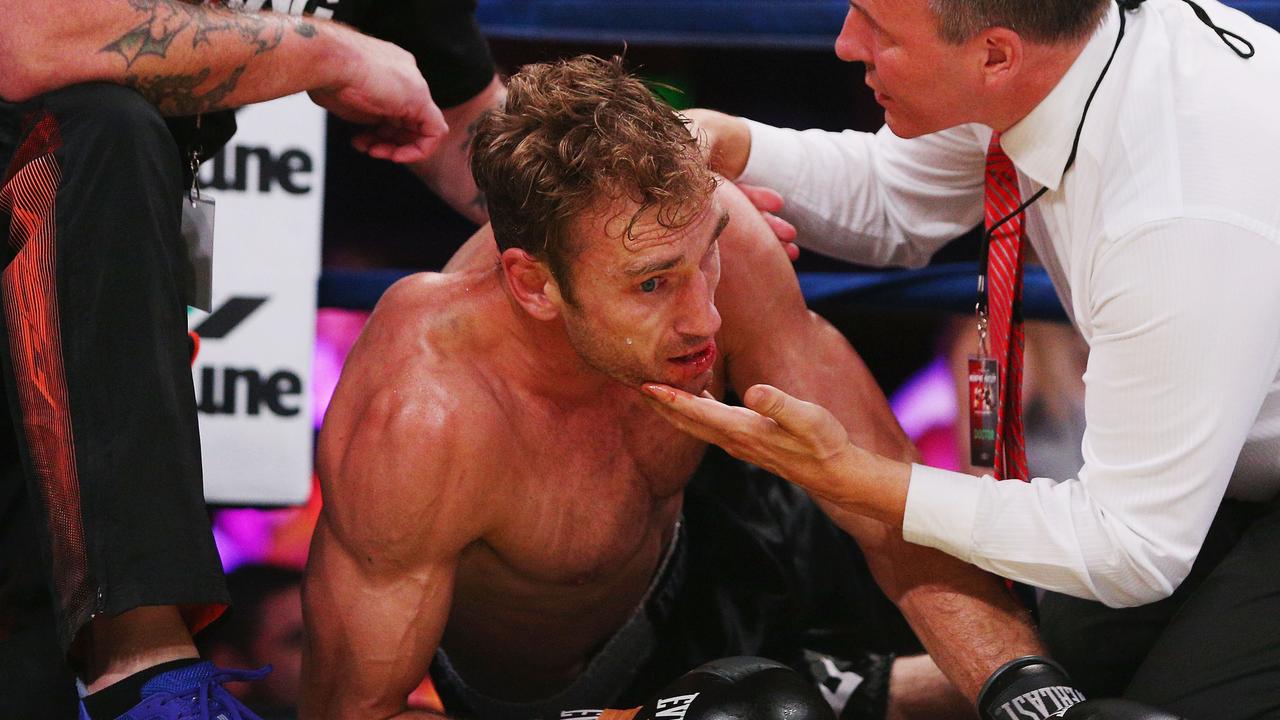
(588,496)
(588,513)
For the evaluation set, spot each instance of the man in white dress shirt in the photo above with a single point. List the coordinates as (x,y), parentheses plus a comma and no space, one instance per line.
(1163,241)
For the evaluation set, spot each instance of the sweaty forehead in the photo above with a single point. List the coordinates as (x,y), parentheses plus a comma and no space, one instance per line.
(664,227)
(621,224)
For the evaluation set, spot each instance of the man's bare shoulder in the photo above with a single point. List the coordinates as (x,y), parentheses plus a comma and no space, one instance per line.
(747,230)
(430,328)
(414,406)
(756,277)
(438,318)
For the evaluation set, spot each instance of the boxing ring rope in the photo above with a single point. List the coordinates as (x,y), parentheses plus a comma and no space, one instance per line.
(948,288)
(798,24)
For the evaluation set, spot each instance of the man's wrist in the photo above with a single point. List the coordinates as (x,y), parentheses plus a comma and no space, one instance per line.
(730,155)
(335,52)
(728,141)
(868,484)
(1032,687)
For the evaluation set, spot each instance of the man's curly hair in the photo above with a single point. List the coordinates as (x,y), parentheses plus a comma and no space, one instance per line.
(576,135)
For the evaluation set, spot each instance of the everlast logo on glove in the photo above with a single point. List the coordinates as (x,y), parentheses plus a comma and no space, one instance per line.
(738,688)
(1029,688)
(674,707)
(1047,702)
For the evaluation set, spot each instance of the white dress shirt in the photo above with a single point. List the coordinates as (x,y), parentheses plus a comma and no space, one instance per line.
(1163,242)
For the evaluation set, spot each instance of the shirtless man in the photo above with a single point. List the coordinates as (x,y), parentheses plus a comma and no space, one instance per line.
(501,499)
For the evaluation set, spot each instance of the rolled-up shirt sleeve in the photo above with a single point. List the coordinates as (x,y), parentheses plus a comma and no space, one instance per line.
(1182,353)
(873,198)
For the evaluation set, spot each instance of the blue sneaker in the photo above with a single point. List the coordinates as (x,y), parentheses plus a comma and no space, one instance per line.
(194,693)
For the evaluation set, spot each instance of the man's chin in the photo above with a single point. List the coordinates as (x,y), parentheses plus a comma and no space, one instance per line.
(693,386)
(904,130)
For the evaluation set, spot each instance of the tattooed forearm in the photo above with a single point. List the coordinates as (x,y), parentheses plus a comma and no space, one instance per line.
(257,34)
(162,23)
(154,34)
(179,94)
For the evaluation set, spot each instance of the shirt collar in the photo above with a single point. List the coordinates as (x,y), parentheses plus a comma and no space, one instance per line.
(1040,143)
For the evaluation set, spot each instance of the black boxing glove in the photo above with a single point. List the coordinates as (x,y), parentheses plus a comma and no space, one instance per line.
(737,688)
(1114,709)
(1029,688)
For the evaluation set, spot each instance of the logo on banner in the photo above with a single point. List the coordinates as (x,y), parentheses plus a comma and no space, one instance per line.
(239,390)
(319,8)
(240,167)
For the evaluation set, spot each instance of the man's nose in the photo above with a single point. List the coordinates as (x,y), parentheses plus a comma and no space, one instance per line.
(702,319)
(851,45)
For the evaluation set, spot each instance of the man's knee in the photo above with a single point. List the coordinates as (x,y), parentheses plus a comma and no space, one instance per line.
(115,106)
(112,121)
(112,143)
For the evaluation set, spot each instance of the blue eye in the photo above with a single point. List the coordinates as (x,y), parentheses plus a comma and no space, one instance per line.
(649,285)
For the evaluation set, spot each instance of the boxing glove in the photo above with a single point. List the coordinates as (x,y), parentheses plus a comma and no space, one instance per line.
(1114,709)
(736,688)
(1029,688)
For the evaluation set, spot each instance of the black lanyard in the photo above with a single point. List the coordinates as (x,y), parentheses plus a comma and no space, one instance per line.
(1125,5)
(1226,35)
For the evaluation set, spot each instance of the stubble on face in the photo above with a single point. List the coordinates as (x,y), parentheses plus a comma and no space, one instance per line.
(625,347)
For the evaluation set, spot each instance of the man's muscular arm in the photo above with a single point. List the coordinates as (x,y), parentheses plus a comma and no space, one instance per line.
(189,58)
(964,616)
(379,578)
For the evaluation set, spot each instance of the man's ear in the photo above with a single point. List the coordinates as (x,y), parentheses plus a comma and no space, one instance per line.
(1002,57)
(531,284)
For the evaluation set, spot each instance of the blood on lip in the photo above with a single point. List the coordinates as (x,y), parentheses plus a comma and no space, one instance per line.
(693,356)
(700,360)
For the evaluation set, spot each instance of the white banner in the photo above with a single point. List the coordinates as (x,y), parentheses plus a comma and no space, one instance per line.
(253,373)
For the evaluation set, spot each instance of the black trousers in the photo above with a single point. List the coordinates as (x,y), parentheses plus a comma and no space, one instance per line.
(101,504)
(759,570)
(1210,651)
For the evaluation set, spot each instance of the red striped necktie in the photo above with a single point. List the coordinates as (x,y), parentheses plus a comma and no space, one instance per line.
(1004,302)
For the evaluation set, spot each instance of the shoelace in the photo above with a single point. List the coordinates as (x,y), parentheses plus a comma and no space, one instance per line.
(210,694)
